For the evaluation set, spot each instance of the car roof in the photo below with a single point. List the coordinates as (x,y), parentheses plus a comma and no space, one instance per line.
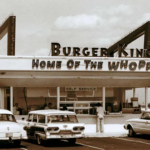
(4,111)
(52,112)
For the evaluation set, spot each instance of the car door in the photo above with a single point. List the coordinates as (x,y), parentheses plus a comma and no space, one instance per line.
(41,124)
(33,125)
(147,123)
(143,123)
(29,124)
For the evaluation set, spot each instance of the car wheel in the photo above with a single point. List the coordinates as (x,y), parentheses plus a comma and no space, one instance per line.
(72,141)
(17,142)
(39,140)
(131,132)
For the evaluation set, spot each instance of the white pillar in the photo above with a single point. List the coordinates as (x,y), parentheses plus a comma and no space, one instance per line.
(58,97)
(146,98)
(1,98)
(133,92)
(103,91)
(11,99)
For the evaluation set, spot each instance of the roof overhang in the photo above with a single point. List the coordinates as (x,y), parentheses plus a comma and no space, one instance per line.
(18,72)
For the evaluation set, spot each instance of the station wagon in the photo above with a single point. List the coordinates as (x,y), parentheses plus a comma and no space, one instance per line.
(43,125)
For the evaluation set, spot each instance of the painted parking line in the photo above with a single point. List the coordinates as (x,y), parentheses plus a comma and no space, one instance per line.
(91,146)
(24,148)
(132,141)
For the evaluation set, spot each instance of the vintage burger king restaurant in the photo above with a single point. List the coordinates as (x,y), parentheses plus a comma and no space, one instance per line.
(78,78)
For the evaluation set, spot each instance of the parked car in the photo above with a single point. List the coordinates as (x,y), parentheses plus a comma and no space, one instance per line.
(43,125)
(139,125)
(10,130)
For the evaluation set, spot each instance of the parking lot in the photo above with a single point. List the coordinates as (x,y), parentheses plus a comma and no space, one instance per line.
(110,143)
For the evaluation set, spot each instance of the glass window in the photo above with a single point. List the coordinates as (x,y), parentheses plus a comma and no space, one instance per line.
(41,118)
(7,117)
(62,118)
(34,118)
(30,116)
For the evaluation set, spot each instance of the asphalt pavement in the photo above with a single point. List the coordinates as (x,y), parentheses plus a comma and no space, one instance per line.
(139,142)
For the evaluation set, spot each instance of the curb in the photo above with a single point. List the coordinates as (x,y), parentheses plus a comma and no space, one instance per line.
(101,135)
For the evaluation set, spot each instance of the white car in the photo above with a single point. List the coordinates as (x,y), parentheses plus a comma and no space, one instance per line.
(10,130)
(53,124)
(139,125)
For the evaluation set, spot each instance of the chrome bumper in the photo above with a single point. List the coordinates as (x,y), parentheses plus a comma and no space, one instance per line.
(13,138)
(64,136)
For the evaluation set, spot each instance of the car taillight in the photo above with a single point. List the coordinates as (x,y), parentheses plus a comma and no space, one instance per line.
(52,129)
(56,128)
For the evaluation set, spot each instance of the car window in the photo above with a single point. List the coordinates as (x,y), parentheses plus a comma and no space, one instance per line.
(146,115)
(62,118)
(30,117)
(41,118)
(73,118)
(7,117)
(34,118)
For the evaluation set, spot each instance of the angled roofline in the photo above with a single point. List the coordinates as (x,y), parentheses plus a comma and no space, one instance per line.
(143,29)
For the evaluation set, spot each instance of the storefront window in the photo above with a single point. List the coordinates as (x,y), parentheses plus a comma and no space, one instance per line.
(82,100)
(29,99)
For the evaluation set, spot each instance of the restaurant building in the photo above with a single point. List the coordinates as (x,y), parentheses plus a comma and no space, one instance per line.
(78,78)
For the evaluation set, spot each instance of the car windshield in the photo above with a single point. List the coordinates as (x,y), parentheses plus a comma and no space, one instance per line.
(62,118)
(146,115)
(7,117)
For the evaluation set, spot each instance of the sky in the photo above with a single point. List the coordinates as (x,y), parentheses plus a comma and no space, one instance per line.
(73,23)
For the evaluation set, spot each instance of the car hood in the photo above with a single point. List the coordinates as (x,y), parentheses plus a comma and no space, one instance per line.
(134,119)
(6,126)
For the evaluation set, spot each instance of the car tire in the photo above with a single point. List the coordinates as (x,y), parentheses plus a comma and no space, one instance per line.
(72,141)
(39,140)
(131,132)
(17,143)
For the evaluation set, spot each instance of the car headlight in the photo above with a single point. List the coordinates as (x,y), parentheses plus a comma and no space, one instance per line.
(51,129)
(78,128)
(82,128)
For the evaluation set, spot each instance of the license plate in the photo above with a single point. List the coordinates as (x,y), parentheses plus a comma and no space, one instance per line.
(65,132)
(65,136)
(9,134)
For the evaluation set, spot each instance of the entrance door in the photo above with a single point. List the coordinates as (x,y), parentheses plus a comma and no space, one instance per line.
(8,102)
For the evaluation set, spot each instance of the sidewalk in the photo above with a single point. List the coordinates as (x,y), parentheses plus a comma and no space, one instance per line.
(110,130)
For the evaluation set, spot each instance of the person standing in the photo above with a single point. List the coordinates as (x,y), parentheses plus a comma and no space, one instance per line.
(45,106)
(49,105)
(100,118)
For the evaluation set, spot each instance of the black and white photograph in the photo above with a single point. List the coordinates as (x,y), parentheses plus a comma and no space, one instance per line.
(74,74)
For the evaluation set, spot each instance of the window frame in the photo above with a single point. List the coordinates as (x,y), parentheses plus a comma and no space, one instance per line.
(39,117)
(62,121)
(31,117)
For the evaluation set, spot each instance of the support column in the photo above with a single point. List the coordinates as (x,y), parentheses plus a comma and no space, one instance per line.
(146,98)
(133,92)
(123,97)
(103,91)
(58,97)
(1,98)
(11,99)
